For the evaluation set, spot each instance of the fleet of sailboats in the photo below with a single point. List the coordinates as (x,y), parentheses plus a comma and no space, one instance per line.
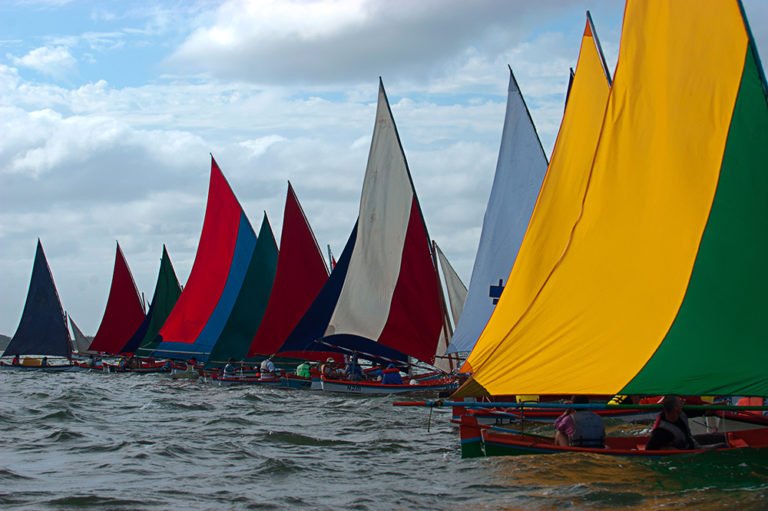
(630,263)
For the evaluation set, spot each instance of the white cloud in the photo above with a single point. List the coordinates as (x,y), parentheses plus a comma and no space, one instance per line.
(56,62)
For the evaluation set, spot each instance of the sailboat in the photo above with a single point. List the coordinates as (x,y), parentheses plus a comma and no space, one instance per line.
(300,274)
(382,300)
(249,307)
(81,342)
(221,269)
(457,295)
(42,330)
(659,287)
(520,170)
(167,292)
(124,312)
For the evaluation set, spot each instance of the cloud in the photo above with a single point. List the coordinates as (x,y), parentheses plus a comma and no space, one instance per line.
(340,41)
(56,62)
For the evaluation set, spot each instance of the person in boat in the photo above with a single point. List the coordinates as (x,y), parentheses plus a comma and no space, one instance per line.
(229,369)
(671,430)
(303,370)
(391,376)
(353,372)
(375,373)
(44,362)
(267,369)
(15,361)
(580,428)
(329,370)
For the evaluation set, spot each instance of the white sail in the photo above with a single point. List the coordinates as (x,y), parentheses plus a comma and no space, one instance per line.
(454,287)
(519,173)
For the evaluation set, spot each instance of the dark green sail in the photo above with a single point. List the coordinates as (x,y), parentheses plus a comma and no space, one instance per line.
(248,311)
(167,291)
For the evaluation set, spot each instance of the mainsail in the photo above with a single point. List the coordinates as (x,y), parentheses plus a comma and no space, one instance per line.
(454,287)
(226,245)
(562,192)
(248,310)
(42,329)
(167,292)
(661,287)
(519,172)
(383,297)
(82,342)
(124,312)
(301,273)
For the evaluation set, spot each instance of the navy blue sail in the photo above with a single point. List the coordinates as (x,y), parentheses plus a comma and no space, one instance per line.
(43,328)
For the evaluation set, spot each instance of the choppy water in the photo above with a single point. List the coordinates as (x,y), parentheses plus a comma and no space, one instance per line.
(96,441)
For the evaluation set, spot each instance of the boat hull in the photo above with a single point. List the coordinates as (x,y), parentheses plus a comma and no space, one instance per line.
(376,388)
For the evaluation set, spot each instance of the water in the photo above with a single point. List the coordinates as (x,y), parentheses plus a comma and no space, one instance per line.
(97,441)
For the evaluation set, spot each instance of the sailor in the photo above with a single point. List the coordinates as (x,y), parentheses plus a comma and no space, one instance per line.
(353,372)
(229,369)
(267,369)
(579,428)
(303,370)
(44,363)
(15,360)
(391,376)
(329,369)
(671,431)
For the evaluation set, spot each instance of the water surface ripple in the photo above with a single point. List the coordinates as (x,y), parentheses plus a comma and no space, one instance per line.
(125,442)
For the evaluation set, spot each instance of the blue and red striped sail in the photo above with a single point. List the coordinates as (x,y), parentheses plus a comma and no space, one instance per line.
(42,329)
(226,245)
(383,297)
(124,312)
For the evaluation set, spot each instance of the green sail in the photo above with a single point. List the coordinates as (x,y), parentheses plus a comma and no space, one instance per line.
(167,292)
(717,343)
(251,302)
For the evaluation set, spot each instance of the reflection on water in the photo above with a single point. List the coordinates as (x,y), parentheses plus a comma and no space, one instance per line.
(88,440)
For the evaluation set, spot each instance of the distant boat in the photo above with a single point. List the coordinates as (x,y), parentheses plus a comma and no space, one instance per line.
(167,292)
(520,170)
(81,342)
(42,330)
(248,310)
(457,295)
(124,312)
(301,273)
(383,298)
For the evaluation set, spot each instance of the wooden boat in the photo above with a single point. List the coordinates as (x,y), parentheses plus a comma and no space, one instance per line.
(378,388)
(42,330)
(385,278)
(245,379)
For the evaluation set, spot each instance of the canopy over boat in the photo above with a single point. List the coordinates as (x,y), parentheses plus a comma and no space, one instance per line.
(519,172)
(661,284)
(223,256)
(383,297)
(42,329)
(248,309)
(167,292)
(82,342)
(301,273)
(124,312)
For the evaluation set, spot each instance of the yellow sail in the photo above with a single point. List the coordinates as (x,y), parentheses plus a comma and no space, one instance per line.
(619,241)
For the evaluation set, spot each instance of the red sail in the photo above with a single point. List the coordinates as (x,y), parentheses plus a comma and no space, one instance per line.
(211,267)
(124,313)
(301,273)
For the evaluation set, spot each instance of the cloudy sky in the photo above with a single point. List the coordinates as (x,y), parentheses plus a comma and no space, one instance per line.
(109,109)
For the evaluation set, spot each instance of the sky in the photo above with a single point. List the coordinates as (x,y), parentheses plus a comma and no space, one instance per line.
(109,111)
